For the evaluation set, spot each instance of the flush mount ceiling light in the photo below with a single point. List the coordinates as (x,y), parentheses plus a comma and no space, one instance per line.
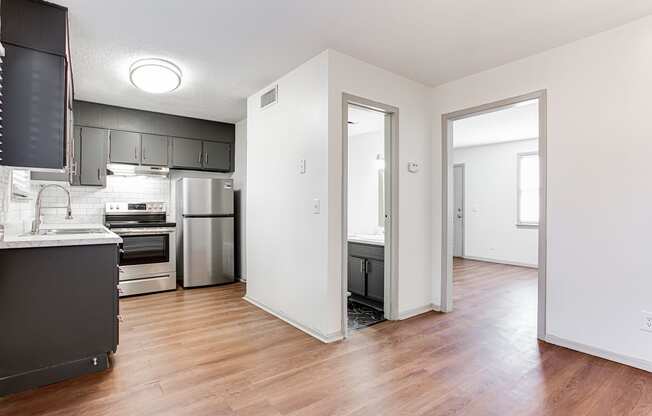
(155,76)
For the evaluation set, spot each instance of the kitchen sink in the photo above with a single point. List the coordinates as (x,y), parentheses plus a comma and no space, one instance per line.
(68,231)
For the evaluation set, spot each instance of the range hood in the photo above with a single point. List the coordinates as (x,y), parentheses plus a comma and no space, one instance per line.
(136,170)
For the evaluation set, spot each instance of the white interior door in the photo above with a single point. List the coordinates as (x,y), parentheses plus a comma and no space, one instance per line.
(458,190)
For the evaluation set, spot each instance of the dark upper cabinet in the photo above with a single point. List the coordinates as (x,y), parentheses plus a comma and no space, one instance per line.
(92,145)
(155,139)
(33,108)
(124,147)
(154,150)
(217,156)
(186,153)
(34,24)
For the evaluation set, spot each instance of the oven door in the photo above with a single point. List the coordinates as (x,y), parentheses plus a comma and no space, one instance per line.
(146,253)
(144,249)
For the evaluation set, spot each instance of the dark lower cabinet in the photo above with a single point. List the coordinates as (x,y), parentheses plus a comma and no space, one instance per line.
(375,279)
(357,277)
(366,278)
(58,313)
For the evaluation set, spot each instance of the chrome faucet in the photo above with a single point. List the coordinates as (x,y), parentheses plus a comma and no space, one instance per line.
(36,224)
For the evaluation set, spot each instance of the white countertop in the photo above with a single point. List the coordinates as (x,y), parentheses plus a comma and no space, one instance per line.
(15,238)
(374,239)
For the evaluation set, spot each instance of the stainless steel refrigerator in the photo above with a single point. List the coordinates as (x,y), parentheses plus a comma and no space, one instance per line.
(205,231)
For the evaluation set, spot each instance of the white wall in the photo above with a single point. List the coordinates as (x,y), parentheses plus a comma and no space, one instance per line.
(293,256)
(287,245)
(599,148)
(349,75)
(240,184)
(363,182)
(490,231)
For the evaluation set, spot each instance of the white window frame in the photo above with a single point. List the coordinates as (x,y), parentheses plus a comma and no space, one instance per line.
(520,223)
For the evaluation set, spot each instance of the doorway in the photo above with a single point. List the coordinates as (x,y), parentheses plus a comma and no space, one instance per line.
(469,203)
(369,227)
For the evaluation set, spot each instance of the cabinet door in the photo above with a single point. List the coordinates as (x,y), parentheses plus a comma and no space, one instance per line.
(33,108)
(35,25)
(124,147)
(154,150)
(92,163)
(375,280)
(186,153)
(217,156)
(356,276)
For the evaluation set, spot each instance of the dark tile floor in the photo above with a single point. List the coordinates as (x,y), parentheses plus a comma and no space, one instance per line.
(362,316)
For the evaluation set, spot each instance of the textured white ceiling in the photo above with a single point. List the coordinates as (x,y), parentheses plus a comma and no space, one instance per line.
(230,49)
(505,125)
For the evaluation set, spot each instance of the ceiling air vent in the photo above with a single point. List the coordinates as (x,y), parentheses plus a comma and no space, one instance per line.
(269,98)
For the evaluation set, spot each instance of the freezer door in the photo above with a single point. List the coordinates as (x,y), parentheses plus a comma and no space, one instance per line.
(201,196)
(208,251)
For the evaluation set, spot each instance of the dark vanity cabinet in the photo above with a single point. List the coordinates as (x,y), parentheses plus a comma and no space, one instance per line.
(59,313)
(366,279)
(37,84)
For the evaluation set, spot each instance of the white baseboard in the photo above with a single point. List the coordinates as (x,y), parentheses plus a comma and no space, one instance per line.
(507,262)
(326,338)
(598,352)
(418,311)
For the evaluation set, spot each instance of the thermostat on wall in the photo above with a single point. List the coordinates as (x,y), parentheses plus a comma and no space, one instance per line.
(413,167)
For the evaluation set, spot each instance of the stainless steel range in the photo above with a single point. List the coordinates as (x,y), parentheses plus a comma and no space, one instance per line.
(148,248)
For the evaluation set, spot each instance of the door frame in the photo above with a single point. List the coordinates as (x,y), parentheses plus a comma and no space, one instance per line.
(391,204)
(463,166)
(447,200)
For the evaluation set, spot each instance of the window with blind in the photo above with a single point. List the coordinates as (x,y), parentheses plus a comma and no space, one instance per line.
(528,189)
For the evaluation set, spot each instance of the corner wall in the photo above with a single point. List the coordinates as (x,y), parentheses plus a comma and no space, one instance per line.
(599,146)
(287,245)
(352,76)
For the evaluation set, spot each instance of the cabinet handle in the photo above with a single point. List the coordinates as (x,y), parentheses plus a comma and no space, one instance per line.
(200,158)
(135,153)
(362,266)
(144,154)
(206,158)
(366,266)
(99,176)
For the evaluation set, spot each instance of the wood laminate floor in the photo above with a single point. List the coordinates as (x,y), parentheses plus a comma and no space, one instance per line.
(207,352)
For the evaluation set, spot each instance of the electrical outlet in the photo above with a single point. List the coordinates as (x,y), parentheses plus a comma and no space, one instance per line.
(647,321)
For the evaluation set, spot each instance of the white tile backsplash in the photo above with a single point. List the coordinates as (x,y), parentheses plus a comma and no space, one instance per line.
(87,202)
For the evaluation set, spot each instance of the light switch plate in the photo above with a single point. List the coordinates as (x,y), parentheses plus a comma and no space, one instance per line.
(413,167)
(302,166)
(316,206)
(646,324)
